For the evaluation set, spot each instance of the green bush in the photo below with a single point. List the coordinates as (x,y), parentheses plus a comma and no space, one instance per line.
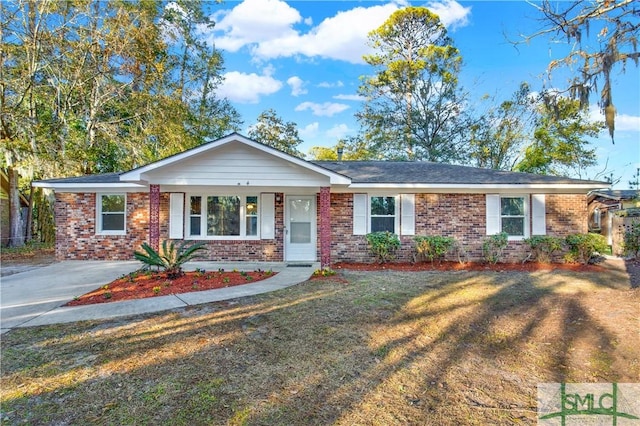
(582,247)
(383,245)
(169,258)
(543,247)
(493,247)
(631,243)
(433,246)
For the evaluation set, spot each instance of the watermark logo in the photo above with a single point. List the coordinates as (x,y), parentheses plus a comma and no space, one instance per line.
(614,404)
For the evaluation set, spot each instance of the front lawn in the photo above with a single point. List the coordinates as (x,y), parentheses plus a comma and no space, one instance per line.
(381,348)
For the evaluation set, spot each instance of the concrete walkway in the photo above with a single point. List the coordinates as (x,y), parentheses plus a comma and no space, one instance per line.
(35,297)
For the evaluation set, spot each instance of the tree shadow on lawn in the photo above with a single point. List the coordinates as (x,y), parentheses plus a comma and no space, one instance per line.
(420,348)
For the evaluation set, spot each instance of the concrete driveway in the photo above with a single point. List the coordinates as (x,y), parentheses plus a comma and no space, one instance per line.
(28,295)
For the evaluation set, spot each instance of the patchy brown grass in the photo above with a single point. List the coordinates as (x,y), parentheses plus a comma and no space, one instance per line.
(383,348)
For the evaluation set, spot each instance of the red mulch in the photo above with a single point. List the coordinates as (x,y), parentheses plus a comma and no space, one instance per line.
(140,285)
(468,266)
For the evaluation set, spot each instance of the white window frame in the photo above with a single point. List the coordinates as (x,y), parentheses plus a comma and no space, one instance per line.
(99,230)
(526,217)
(203,217)
(396,212)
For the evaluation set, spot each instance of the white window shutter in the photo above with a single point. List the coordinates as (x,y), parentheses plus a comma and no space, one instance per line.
(407,219)
(360,214)
(176,215)
(493,214)
(267,216)
(538,215)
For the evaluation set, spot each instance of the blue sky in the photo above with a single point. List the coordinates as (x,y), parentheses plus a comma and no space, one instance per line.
(304,60)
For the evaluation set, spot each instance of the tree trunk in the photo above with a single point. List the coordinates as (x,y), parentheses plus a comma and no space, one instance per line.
(16,236)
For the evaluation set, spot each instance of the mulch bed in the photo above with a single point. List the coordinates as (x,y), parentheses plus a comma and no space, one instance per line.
(468,266)
(140,285)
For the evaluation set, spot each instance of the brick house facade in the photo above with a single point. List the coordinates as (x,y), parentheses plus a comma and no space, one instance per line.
(269,206)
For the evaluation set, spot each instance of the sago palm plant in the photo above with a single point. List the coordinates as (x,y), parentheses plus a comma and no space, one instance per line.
(169,258)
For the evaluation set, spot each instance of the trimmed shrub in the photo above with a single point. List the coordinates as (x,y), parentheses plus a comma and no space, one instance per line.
(383,245)
(432,246)
(543,247)
(582,247)
(493,247)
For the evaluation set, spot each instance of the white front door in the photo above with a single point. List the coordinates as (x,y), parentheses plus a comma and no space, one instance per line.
(300,228)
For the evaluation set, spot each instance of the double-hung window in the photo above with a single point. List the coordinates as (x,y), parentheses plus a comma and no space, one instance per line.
(111,214)
(519,216)
(513,216)
(379,213)
(223,216)
(383,214)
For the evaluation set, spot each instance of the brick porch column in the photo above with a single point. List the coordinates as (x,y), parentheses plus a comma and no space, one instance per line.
(325,227)
(154,216)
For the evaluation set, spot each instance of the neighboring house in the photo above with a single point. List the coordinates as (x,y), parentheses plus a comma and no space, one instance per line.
(251,202)
(602,208)
(5,209)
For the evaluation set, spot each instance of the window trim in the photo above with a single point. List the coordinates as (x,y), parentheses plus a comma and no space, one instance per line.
(526,217)
(99,230)
(204,196)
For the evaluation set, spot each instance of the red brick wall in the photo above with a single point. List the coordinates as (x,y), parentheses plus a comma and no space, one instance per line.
(462,216)
(566,214)
(76,237)
(76,232)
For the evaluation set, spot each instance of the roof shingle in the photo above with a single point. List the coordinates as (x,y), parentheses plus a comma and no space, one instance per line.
(419,172)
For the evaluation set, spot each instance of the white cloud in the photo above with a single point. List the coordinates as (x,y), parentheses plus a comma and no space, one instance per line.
(342,37)
(267,27)
(327,109)
(247,88)
(328,85)
(297,86)
(309,131)
(338,132)
(451,13)
(252,21)
(349,97)
(623,122)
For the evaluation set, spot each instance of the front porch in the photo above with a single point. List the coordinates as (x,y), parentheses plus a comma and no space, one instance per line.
(301,229)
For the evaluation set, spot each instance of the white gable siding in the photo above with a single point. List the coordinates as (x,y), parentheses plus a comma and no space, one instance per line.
(236,164)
